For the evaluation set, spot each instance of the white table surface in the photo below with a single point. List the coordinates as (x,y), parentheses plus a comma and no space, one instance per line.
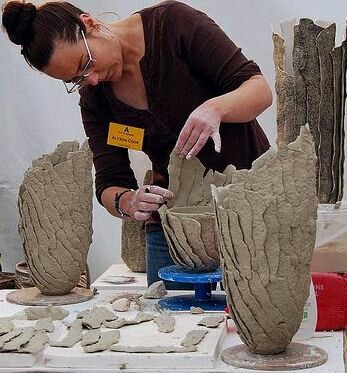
(331,342)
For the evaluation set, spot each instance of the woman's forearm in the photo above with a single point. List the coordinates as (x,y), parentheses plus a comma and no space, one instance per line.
(245,103)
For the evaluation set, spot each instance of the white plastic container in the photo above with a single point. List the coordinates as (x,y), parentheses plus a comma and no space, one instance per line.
(309,318)
(330,253)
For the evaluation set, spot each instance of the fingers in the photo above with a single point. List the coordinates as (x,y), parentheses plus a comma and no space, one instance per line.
(199,144)
(149,199)
(183,137)
(217,141)
(154,192)
(140,215)
(200,125)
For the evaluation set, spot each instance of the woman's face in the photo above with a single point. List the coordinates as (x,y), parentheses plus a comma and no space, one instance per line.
(91,60)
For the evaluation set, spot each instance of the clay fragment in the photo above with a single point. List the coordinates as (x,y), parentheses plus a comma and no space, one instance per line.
(90,337)
(155,291)
(73,336)
(196,310)
(139,318)
(44,325)
(211,321)
(152,349)
(49,312)
(96,316)
(106,340)
(194,337)
(6,326)
(9,336)
(130,296)
(20,340)
(165,322)
(36,343)
(121,305)
(141,305)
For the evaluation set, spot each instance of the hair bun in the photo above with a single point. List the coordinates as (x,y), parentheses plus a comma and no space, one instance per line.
(18,19)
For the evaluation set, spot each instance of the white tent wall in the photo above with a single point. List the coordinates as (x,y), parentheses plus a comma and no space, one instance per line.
(36,113)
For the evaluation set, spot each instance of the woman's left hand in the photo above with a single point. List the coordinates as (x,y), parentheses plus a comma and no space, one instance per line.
(201,124)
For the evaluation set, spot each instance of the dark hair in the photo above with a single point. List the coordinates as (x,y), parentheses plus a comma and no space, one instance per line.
(37,29)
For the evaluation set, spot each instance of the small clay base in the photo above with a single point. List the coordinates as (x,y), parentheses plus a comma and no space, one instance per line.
(33,297)
(296,356)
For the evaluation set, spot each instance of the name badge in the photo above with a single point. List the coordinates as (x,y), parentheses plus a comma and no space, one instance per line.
(125,136)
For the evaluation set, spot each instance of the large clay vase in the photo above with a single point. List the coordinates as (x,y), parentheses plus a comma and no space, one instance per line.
(266,222)
(55,207)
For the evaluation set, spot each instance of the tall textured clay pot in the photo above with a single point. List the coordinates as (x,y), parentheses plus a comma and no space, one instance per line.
(311,88)
(266,222)
(55,207)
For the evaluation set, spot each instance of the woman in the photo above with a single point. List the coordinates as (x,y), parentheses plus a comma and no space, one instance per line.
(166,78)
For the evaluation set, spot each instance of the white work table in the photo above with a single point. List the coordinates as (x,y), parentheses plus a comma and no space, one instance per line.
(109,361)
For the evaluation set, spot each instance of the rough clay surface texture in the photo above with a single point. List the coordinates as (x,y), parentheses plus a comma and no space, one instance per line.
(211,321)
(55,207)
(155,291)
(165,322)
(133,251)
(194,337)
(266,223)
(311,89)
(189,221)
(49,312)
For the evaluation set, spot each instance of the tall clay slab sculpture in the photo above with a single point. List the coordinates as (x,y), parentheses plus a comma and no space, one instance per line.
(313,91)
(266,230)
(55,207)
(189,221)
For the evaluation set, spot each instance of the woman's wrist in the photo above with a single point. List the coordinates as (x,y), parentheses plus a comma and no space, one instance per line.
(121,202)
(215,105)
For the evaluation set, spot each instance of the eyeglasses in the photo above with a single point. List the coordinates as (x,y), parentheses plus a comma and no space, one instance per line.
(79,81)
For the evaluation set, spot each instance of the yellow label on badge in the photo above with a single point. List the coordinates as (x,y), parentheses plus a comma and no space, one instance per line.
(125,136)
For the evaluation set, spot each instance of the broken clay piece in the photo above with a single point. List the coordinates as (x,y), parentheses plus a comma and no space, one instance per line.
(45,325)
(21,339)
(48,312)
(36,343)
(73,336)
(130,296)
(155,291)
(121,305)
(6,326)
(196,310)
(194,337)
(93,318)
(90,337)
(139,318)
(106,340)
(165,323)
(211,321)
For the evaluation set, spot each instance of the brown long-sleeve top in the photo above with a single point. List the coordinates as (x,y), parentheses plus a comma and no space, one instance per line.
(188,60)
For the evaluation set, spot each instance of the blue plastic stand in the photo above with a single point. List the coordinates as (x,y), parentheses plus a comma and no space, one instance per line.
(202,285)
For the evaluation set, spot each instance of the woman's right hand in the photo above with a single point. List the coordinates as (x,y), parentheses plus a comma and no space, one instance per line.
(141,203)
